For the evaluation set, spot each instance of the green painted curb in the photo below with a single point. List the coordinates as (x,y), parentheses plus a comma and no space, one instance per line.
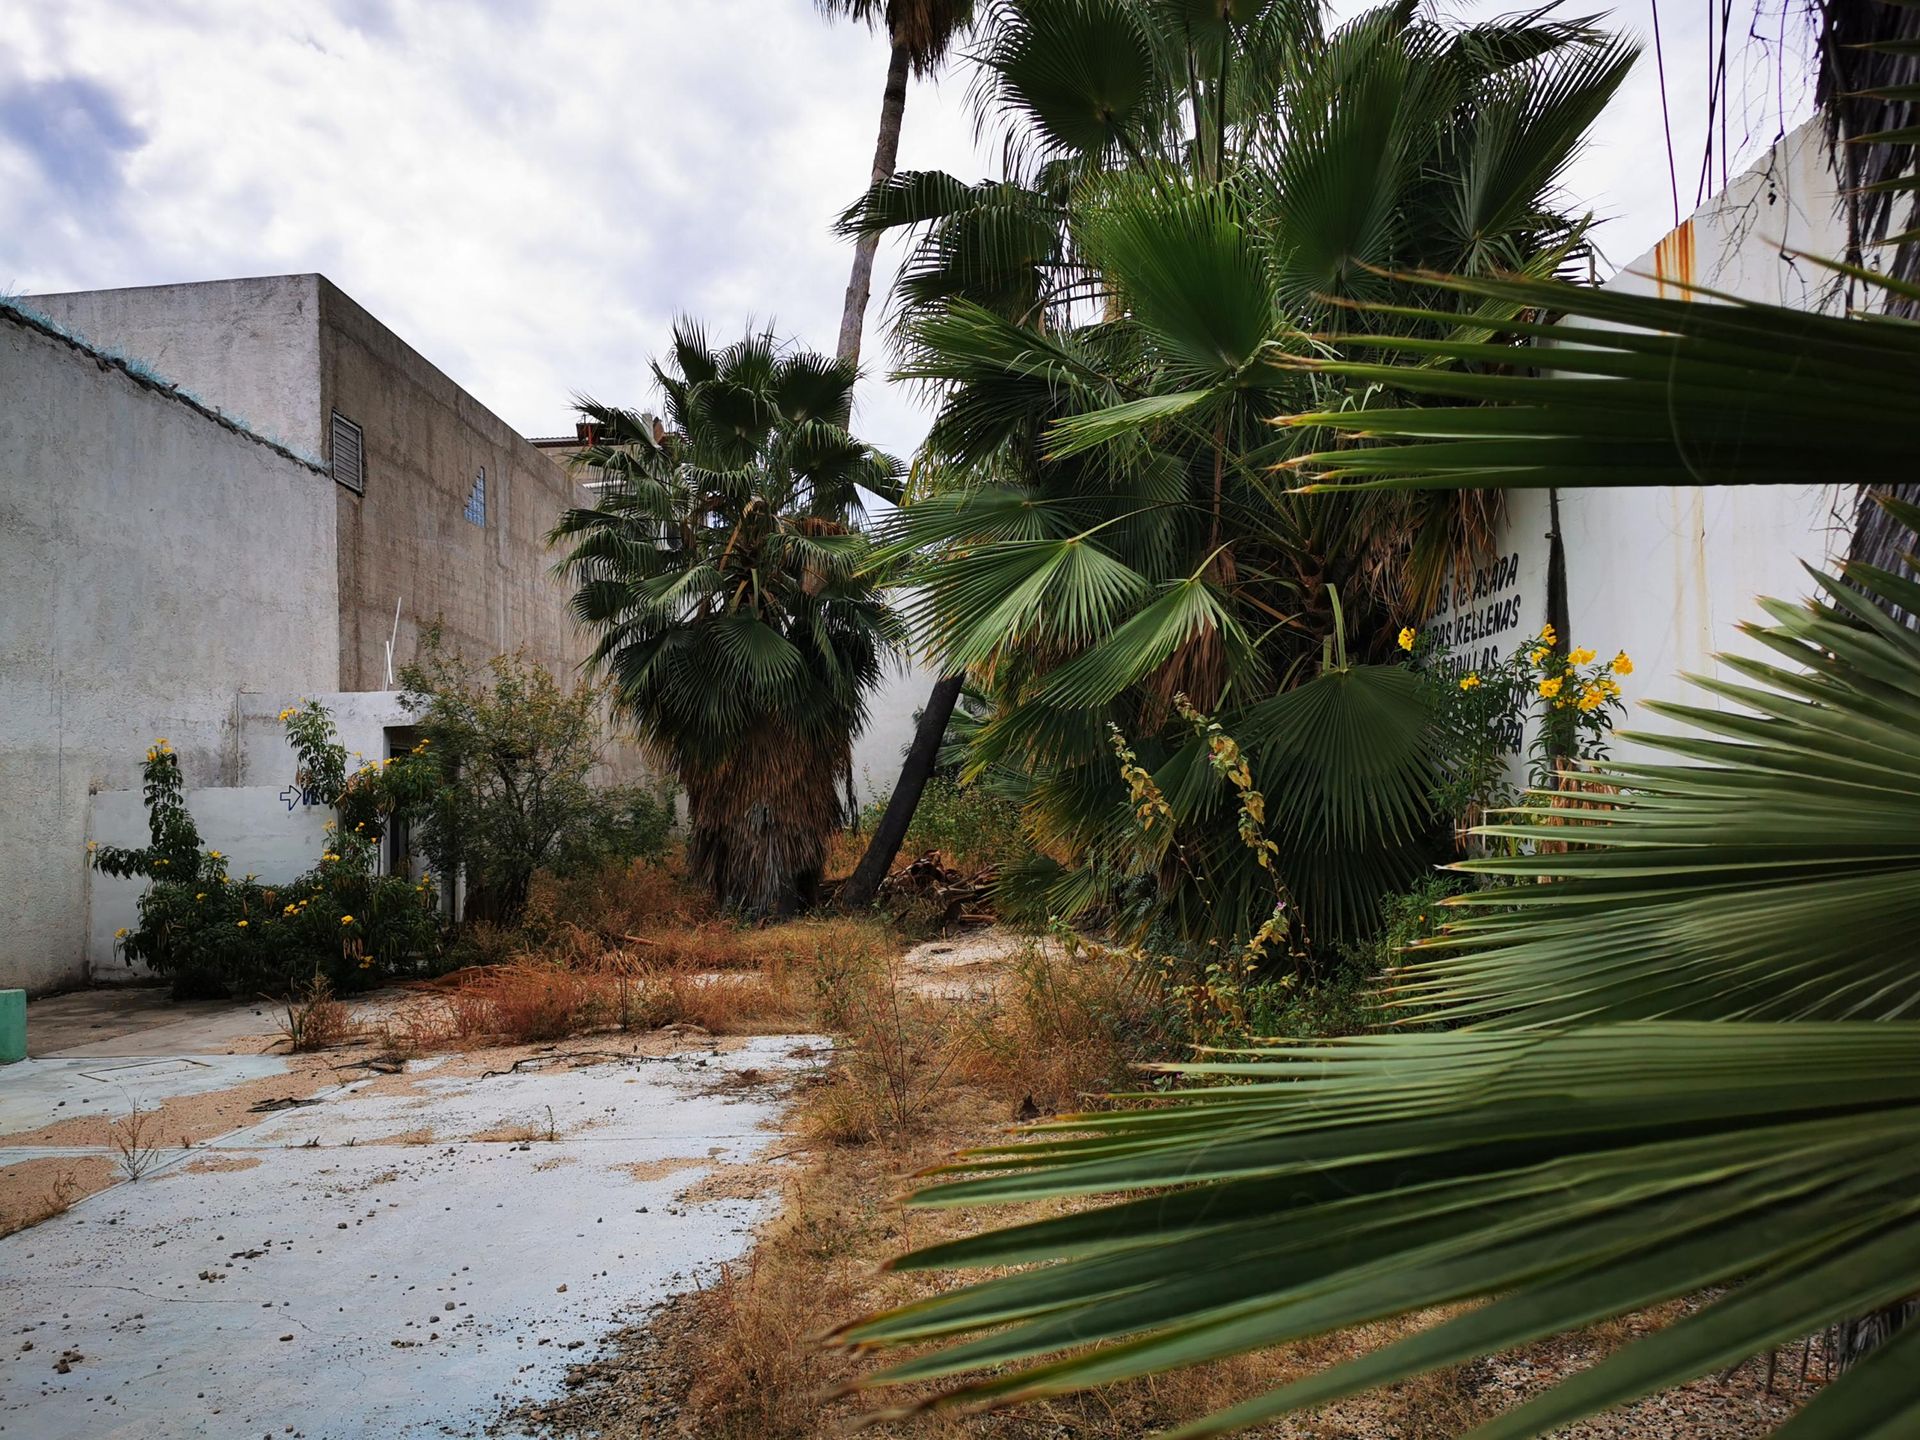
(13,1026)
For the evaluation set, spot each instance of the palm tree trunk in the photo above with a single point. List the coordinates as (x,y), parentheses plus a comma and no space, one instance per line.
(922,756)
(924,753)
(886,155)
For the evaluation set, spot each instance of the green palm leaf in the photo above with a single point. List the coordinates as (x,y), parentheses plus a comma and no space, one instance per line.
(1692,1067)
(1692,393)
(1344,1183)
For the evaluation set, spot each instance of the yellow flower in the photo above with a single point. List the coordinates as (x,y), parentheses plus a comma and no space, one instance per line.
(239,924)
(92,845)
(1622,665)
(1537,654)
(346,919)
(1407,637)
(1550,687)
(121,933)
(284,714)
(329,856)
(1470,682)
(1548,636)
(215,855)
(201,896)
(1582,656)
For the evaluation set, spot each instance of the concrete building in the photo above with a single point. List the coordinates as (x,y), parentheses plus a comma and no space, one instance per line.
(134,523)
(216,499)
(441,509)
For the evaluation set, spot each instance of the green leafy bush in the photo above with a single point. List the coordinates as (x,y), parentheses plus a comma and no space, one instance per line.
(970,825)
(1482,714)
(214,934)
(511,753)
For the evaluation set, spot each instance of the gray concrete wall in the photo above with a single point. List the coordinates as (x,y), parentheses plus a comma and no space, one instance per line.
(154,562)
(407,540)
(249,348)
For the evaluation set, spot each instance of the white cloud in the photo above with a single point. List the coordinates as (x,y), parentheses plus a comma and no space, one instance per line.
(529,192)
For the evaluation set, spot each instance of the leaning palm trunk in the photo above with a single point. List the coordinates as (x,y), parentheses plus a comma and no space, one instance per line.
(929,733)
(760,822)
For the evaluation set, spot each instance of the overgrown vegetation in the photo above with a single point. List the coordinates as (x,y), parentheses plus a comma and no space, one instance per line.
(512,755)
(1688,1070)
(340,923)
(1112,329)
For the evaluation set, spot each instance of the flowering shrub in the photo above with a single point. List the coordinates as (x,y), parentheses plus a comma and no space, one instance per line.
(214,934)
(1483,713)
(507,779)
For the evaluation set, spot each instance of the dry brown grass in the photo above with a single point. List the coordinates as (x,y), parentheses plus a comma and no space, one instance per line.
(26,1199)
(749,1357)
(315,1020)
(1064,1030)
(725,979)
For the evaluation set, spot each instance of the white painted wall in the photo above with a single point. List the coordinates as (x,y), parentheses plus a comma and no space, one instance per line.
(252,825)
(891,713)
(1669,573)
(153,564)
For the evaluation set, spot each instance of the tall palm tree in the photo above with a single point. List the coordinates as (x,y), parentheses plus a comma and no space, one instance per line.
(1689,1062)
(920,33)
(1193,190)
(727,572)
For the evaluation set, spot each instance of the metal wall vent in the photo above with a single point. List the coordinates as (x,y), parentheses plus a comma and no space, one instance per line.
(349,455)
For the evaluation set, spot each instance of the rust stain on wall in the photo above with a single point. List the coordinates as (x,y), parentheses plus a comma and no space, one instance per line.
(1673,262)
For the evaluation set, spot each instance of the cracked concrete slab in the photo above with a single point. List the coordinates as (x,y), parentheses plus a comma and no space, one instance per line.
(364,1267)
(42,1092)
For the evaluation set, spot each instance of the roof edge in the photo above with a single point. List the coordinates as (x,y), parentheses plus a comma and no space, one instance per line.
(147,378)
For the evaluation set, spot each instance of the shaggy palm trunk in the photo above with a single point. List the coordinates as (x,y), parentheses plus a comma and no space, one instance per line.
(888,835)
(759,824)
(886,152)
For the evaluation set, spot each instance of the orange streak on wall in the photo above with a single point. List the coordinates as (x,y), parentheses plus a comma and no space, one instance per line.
(1673,262)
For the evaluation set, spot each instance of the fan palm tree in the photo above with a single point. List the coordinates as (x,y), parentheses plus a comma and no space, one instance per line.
(727,572)
(1689,1063)
(920,33)
(1110,328)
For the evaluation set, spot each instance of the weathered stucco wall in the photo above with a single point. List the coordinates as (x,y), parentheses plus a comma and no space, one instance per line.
(408,541)
(154,562)
(250,348)
(1669,573)
(286,352)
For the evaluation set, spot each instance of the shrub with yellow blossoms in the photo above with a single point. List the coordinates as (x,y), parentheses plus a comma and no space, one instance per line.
(1484,714)
(212,934)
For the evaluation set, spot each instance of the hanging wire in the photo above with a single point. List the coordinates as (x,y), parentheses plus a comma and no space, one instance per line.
(1666,117)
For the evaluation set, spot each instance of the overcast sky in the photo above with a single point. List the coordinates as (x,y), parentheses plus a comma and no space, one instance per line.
(528,192)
